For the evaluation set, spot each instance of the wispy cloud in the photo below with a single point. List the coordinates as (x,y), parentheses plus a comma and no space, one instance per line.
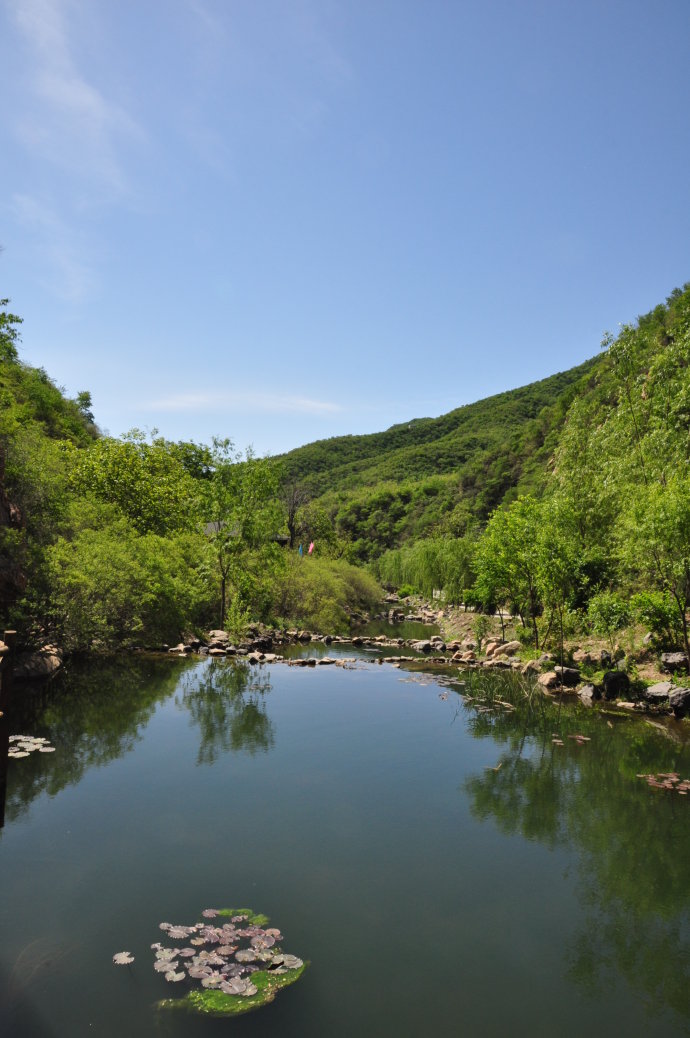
(58,250)
(67,120)
(246,403)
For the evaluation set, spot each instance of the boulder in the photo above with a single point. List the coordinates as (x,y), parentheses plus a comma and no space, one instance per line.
(568,675)
(658,693)
(422,646)
(32,666)
(491,647)
(549,680)
(587,694)
(673,661)
(616,683)
(531,667)
(510,648)
(215,650)
(679,701)
(582,656)
(218,636)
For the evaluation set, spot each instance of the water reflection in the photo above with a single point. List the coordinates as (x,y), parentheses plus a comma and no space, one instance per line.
(93,714)
(632,843)
(225,700)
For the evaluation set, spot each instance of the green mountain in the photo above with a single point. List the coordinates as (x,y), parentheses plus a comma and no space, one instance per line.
(437,474)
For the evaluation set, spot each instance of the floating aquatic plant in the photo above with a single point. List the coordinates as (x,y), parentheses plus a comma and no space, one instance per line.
(232,968)
(668,780)
(23,745)
(123,958)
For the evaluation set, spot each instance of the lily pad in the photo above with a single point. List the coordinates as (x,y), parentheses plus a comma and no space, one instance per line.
(226,978)
(123,958)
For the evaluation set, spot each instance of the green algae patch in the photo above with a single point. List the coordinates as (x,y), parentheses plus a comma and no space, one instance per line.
(253,918)
(216,1003)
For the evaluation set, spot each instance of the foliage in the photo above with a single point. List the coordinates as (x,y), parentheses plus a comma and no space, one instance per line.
(608,612)
(444,563)
(114,585)
(9,333)
(145,480)
(322,594)
(481,625)
(657,610)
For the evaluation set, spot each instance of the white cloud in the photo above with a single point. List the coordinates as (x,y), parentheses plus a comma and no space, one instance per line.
(66,119)
(268,403)
(57,248)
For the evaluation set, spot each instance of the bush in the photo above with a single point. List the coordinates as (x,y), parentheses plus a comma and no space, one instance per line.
(608,612)
(657,611)
(321,594)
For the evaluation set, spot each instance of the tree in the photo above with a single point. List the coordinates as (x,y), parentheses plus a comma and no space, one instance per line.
(9,335)
(508,561)
(293,496)
(242,518)
(654,541)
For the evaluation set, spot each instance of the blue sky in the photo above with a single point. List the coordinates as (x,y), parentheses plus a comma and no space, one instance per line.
(278,221)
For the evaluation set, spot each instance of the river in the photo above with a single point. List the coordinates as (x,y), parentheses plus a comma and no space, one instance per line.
(443,865)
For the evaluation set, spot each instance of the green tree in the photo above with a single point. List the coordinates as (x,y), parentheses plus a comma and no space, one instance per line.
(508,561)
(242,517)
(9,333)
(655,542)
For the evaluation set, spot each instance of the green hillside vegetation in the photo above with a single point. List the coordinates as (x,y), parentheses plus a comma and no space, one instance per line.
(607,540)
(107,542)
(435,474)
(566,502)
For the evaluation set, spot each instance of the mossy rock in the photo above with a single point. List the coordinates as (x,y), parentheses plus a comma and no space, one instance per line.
(216,1003)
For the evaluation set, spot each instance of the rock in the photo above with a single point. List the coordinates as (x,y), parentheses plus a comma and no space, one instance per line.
(658,693)
(587,694)
(648,638)
(357,641)
(605,658)
(582,656)
(679,701)
(531,667)
(615,684)
(32,666)
(673,661)
(218,636)
(216,651)
(549,680)
(569,675)
(422,646)
(490,648)
(469,644)
(510,648)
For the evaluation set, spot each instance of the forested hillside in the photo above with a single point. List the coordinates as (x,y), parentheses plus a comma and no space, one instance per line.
(436,474)
(608,536)
(565,499)
(107,542)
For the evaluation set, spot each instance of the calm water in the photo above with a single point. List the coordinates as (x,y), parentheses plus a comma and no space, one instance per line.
(354,806)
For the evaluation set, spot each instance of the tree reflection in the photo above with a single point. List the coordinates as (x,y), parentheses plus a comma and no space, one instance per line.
(225,700)
(633,843)
(93,713)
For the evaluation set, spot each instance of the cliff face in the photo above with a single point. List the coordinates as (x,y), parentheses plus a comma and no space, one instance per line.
(12,580)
